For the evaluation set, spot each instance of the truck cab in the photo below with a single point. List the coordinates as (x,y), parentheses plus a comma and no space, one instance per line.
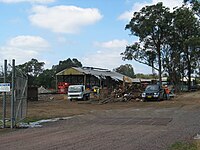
(78,92)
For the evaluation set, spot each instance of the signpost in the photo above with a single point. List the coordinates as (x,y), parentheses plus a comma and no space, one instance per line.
(4,87)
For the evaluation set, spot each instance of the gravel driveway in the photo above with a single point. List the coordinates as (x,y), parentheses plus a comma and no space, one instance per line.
(148,128)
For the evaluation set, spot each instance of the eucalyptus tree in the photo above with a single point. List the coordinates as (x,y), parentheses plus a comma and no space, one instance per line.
(66,64)
(151,25)
(186,28)
(195,4)
(33,69)
(126,69)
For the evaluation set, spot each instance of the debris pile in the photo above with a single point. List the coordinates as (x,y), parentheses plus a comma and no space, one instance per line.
(131,92)
(42,90)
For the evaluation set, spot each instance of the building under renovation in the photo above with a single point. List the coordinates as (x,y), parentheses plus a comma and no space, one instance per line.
(91,77)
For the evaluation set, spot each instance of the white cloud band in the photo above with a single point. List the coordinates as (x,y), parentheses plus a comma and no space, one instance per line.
(23,48)
(108,55)
(30,1)
(64,19)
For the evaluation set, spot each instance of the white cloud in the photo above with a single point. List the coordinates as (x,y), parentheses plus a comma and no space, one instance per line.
(28,42)
(64,19)
(127,15)
(23,48)
(108,56)
(118,44)
(30,1)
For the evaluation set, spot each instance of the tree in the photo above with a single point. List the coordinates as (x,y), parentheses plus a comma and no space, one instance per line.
(38,76)
(187,29)
(151,25)
(145,76)
(126,69)
(66,64)
(46,79)
(33,69)
(195,6)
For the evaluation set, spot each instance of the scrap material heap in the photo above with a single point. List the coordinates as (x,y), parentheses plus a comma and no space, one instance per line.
(130,92)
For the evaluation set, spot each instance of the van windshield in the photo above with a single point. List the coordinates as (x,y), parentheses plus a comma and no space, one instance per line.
(75,89)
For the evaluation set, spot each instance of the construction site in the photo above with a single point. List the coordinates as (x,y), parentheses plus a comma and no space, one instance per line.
(114,109)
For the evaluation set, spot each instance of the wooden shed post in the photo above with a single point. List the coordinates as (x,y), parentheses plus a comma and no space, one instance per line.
(85,80)
(56,83)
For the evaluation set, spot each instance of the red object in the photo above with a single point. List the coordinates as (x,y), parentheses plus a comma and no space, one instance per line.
(63,87)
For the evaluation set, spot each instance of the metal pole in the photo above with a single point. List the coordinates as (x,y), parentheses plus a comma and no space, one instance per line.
(4,95)
(13,95)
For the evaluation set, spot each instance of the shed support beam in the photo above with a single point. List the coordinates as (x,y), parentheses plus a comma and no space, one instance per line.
(85,80)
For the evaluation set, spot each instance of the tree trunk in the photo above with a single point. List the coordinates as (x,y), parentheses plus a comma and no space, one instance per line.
(188,67)
(159,65)
(189,76)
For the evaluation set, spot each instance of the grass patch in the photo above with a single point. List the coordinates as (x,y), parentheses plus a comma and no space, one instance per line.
(197,142)
(27,120)
(183,146)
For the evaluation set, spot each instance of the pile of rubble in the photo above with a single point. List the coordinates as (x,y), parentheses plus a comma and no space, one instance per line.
(42,90)
(130,92)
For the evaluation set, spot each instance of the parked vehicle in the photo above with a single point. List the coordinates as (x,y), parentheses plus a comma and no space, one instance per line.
(153,92)
(78,92)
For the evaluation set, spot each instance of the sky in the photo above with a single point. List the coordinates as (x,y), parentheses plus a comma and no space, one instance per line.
(93,31)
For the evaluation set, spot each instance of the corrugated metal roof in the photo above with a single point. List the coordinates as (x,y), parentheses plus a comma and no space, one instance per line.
(101,73)
(98,72)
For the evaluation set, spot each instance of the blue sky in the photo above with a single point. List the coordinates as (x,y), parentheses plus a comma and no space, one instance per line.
(52,30)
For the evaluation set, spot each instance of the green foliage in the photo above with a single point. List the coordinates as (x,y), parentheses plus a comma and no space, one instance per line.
(183,146)
(146,76)
(46,79)
(187,29)
(195,4)
(38,76)
(67,64)
(168,41)
(151,25)
(126,69)
(33,69)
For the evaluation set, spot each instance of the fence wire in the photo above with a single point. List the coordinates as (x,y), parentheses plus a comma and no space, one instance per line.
(5,98)
(20,102)
(13,103)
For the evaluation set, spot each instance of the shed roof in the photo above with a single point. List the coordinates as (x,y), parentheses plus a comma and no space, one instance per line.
(97,72)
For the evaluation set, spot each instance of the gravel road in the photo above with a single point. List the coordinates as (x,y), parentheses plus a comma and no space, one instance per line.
(148,128)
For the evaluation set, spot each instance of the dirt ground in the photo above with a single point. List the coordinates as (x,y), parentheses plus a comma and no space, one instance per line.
(120,125)
(50,106)
(57,105)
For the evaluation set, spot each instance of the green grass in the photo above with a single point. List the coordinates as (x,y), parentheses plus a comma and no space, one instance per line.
(183,146)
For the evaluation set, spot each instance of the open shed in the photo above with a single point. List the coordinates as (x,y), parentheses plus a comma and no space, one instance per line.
(90,77)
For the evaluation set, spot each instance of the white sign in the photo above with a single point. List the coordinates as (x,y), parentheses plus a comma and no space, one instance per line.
(4,87)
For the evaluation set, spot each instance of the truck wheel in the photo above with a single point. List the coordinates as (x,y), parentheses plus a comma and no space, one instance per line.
(84,98)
